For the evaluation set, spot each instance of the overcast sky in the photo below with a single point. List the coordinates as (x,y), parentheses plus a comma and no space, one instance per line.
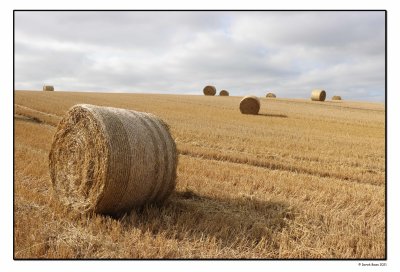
(289,53)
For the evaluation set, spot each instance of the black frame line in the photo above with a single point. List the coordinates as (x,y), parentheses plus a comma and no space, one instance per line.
(200,10)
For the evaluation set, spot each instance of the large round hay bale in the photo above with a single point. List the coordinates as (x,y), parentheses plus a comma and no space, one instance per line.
(209,90)
(270,95)
(250,105)
(336,97)
(48,88)
(108,160)
(224,93)
(318,95)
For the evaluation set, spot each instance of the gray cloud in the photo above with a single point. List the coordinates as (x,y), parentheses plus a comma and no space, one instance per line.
(180,52)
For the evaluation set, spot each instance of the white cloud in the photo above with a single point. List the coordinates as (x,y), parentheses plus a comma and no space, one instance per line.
(180,52)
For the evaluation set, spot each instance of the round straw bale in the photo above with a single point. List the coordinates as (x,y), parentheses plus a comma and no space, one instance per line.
(250,105)
(224,93)
(336,97)
(48,88)
(318,95)
(108,160)
(270,95)
(209,90)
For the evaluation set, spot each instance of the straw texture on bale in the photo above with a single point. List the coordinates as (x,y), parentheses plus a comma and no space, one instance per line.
(108,160)
(224,93)
(48,88)
(271,95)
(336,97)
(318,95)
(250,105)
(209,90)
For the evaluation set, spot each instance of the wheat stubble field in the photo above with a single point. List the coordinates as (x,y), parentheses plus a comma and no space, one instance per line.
(300,180)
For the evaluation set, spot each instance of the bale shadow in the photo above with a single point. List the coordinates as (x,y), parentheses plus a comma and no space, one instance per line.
(273,115)
(188,215)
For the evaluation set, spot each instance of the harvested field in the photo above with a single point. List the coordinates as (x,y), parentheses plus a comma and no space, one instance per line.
(302,179)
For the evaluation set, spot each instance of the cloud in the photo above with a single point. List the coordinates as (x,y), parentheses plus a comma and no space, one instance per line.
(180,52)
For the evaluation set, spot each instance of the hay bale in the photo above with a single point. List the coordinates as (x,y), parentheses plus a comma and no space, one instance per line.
(48,88)
(270,95)
(209,90)
(318,95)
(224,93)
(336,97)
(108,160)
(250,105)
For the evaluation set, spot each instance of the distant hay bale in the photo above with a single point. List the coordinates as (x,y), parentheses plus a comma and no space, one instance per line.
(224,93)
(318,95)
(209,90)
(48,88)
(250,105)
(336,97)
(108,160)
(270,95)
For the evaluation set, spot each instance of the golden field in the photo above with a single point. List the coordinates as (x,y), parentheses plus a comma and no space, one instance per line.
(300,180)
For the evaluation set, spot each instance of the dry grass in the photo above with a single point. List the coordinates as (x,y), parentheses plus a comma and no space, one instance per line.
(35,115)
(302,179)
